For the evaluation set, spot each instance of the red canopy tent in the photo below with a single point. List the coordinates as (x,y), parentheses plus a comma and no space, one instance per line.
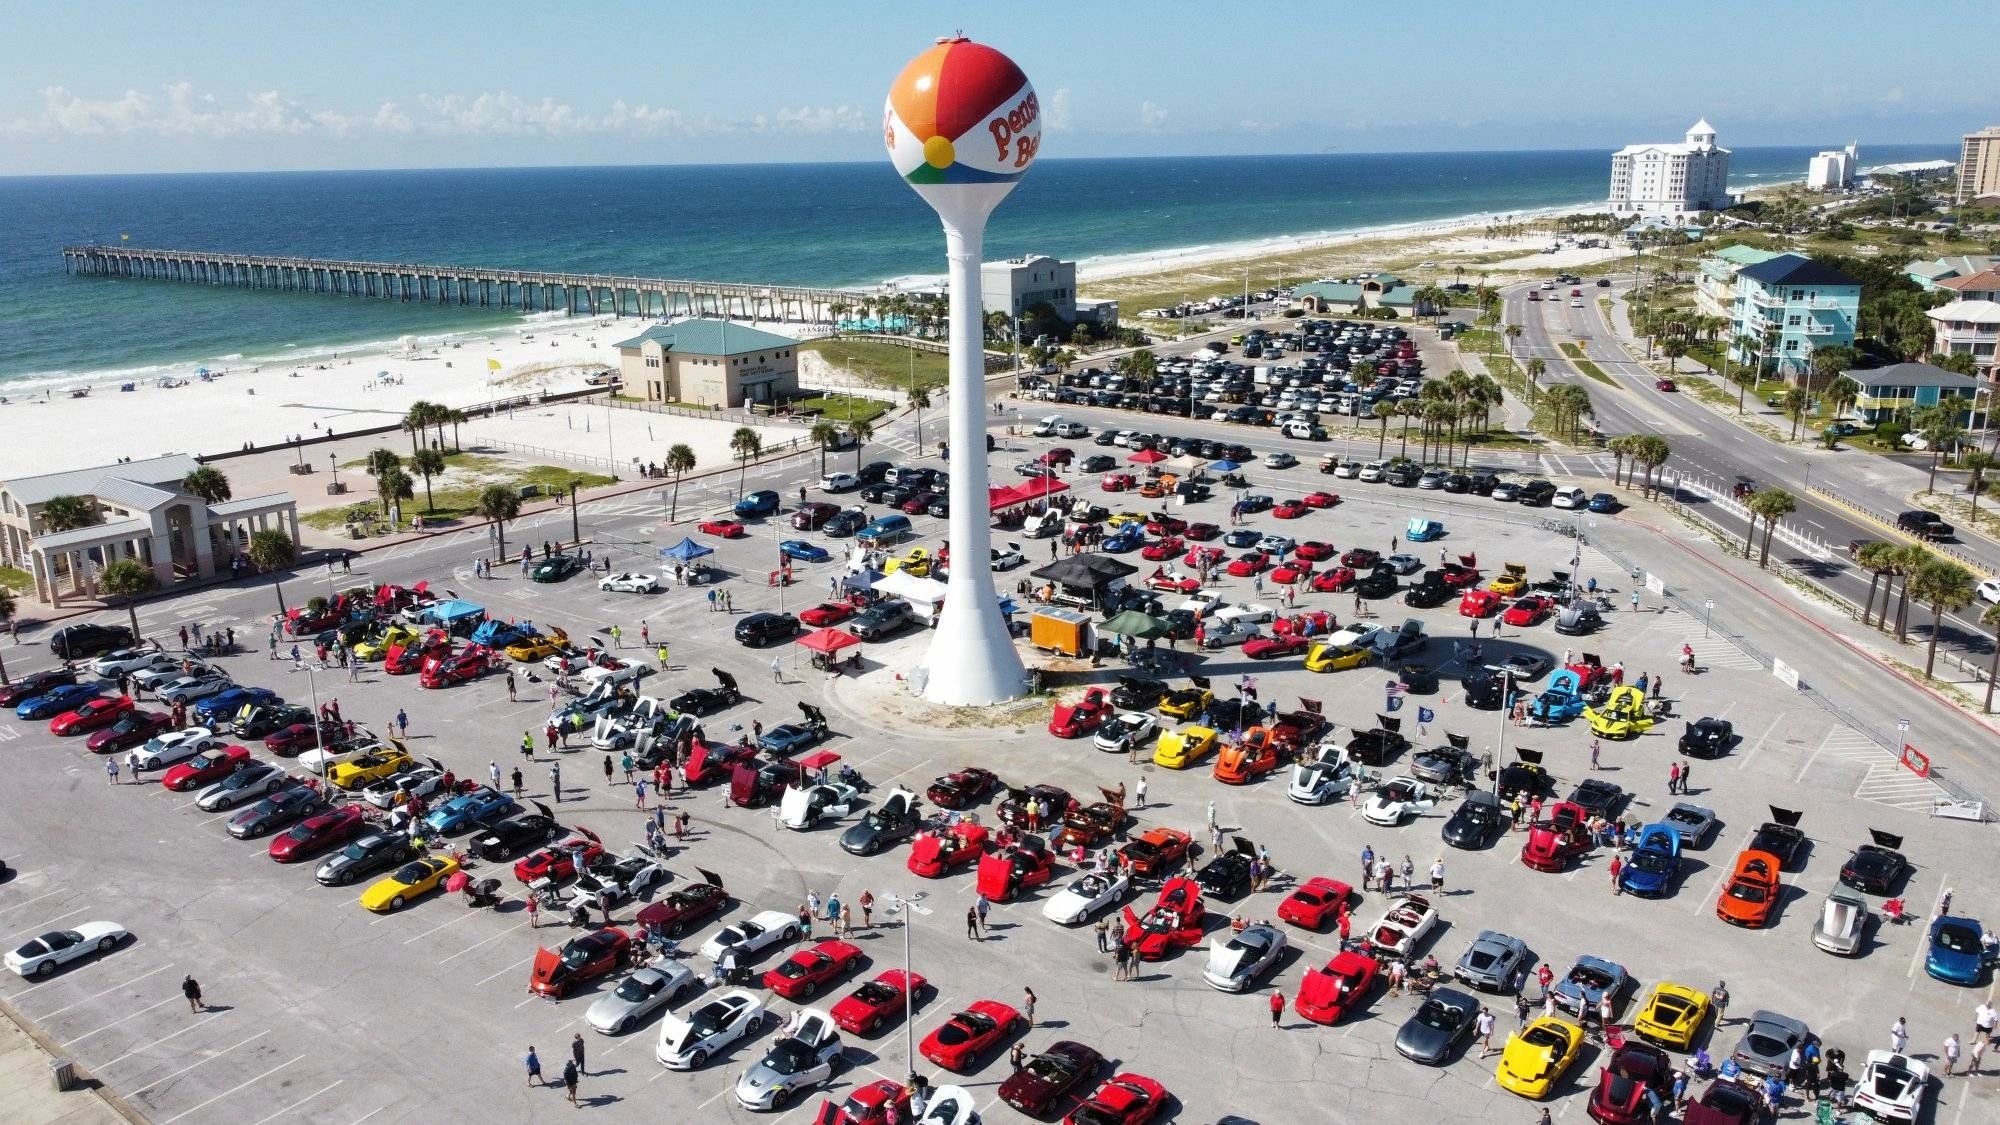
(1036,489)
(1147,457)
(998,498)
(818,760)
(829,641)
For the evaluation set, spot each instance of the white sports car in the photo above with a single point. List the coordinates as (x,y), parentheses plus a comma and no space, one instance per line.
(753,935)
(1892,1087)
(417,781)
(43,955)
(1397,800)
(1085,896)
(805,807)
(1008,557)
(688,1044)
(129,661)
(1409,919)
(153,677)
(630,582)
(1126,729)
(191,689)
(805,1056)
(174,746)
(1321,780)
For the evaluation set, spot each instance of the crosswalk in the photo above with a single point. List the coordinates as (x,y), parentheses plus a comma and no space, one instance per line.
(1889,783)
(1711,651)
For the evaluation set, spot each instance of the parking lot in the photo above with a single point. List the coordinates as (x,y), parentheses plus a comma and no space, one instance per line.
(323,1012)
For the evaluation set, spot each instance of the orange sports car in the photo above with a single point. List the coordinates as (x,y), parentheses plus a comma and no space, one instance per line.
(1256,754)
(1752,891)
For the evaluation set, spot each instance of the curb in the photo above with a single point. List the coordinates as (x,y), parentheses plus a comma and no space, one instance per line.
(87,1082)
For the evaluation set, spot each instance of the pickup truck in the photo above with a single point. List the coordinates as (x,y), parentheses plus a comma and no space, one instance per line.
(1925,525)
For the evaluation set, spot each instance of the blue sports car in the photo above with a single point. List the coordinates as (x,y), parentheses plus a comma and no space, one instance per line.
(1131,537)
(787,739)
(1559,701)
(460,813)
(1654,862)
(1957,953)
(225,704)
(803,551)
(497,634)
(64,697)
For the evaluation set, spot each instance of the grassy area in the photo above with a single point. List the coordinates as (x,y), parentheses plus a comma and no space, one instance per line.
(459,462)
(456,495)
(1484,343)
(844,408)
(1574,352)
(14,578)
(888,365)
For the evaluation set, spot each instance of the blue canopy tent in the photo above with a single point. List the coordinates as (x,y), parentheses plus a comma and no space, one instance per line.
(1225,466)
(687,550)
(862,580)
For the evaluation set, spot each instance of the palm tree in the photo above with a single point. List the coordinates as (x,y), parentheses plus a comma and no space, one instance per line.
(823,434)
(1913,560)
(679,462)
(416,420)
(428,463)
(920,399)
(1620,448)
(1991,619)
(837,310)
(1746,374)
(1979,462)
(746,445)
(1381,411)
(206,484)
(501,503)
(394,485)
(67,513)
(131,580)
(1653,452)
(1674,349)
(1796,400)
(1511,332)
(1946,587)
(1773,504)
(455,417)
(272,551)
(382,460)
(1537,367)
(1939,425)
(864,432)
(1875,558)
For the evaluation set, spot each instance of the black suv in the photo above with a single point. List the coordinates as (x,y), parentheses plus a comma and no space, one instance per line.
(72,642)
(845,523)
(760,629)
(1925,525)
(1537,493)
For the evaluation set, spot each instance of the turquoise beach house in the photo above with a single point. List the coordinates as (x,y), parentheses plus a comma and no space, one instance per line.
(1795,306)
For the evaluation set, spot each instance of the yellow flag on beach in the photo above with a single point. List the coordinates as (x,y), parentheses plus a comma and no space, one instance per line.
(492,364)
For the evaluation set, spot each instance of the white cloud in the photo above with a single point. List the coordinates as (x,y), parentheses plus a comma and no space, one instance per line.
(1056,117)
(816,119)
(1152,115)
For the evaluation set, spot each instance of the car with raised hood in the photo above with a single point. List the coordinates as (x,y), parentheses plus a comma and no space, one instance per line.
(1494,962)
(1877,867)
(806,1056)
(1782,837)
(1654,863)
(1321,778)
(897,817)
(1337,988)
(1707,737)
(678,911)
(715,1025)
(1637,1074)
(807,806)
(1236,965)
(1227,874)
(1397,801)
(638,996)
(580,960)
(1442,1023)
(42,955)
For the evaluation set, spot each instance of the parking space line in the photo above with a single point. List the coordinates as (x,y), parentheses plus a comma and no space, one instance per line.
(160,1040)
(481,942)
(233,1089)
(1750,753)
(45,925)
(115,1023)
(444,925)
(508,969)
(95,995)
(300,1102)
(29,902)
(192,1065)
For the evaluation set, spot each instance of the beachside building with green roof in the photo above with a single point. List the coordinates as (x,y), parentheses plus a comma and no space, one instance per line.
(709,363)
(1369,291)
(1715,279)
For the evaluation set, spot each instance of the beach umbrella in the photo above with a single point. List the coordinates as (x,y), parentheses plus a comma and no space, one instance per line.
(1225,466)
(1133,623)
(1147,457)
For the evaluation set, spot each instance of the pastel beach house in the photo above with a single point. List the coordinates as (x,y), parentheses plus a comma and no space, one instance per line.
(1794,306)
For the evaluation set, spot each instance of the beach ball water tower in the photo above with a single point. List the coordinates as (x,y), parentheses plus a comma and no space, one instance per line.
(962,126)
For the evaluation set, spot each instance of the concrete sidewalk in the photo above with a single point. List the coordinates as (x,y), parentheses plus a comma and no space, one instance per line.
(27,1093)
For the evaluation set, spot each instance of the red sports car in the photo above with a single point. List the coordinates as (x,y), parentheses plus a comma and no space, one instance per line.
(963,1038)
(1338,988)
(1265,648)
(962,788)
(1312,550)
(1314,903)
(827,613)
(1249,563)
(1174,922)
(407,658)
(1290,510)
(1458,576)
(581,959)
(1635,1069)
(877,1003)
(1117,482)
(721,529)
(1478,603)
(132,729)
(1320,499)
(317,834)
(1127,1099)
(868,1105)
(1198,555)
(694,902)
(94,714)
(801,974)
(1161,524)
(1156,851)
(1020,866)
(205,768)
(558,861)
(1163,549)
(1361,558)
(1291,572)
(1082,717)
(1334,580)
(462,668)
(1201,532)
(300,737)
(1559,837)
(1529,609)
(1172,584)
(934,857)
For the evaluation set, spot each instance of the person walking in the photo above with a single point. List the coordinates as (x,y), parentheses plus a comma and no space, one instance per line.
(1367,864)
(1719,1000)
(493,771)
(1437,875)
(1211,816)
(1409,874)
(1687,769)
(867,904)
(510,687)
(1899,1036)
(516,778)
(971,923)
(569,1078)
(402,723)
(981,906)
(638,787)
(607,771)
(1673,778)
(111,770)
(534,1063)
(191,989)
(576,1053)
(534,912)
(1483,1027)
(1522,1006)
(1277,1006)
(777,670)
(1028,1005)
(1984,1019)
(1544,977)
(1593,753)
(1979,1044)
(1139,792)
(555,781)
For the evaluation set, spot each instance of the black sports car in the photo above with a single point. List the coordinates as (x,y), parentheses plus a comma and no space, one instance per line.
(509,837)
(374,852)
(760,629)
(1781,837)
(1227,876)
(287,806)
(1427,594)
(897,818)
(1138,693)
(1378,746)
(270,718)
(34,684)
(1485,689)
(1475,822)
(1378,583)
(1598,797)
(1528,779)
(701,701)
(1707,737)
(74,642)
(1438,1027)
(555,568)
(1876,868)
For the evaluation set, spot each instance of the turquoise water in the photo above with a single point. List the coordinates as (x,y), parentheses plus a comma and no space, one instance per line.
(825,224)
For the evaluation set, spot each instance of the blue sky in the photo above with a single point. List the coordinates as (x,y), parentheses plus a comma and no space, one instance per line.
(117,87)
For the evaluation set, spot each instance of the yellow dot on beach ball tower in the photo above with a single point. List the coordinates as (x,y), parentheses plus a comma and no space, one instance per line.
(938,152)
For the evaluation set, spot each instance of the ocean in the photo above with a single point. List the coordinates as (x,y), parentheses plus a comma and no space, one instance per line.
(808,224)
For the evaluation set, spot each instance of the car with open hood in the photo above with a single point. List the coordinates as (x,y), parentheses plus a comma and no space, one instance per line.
(715,1025)
(1397,801)
(1321,778)
(580,960)
(1249,954)
(1636,1070)
(805,1057)
(1876,867)
(1707,737)
(1337,988)
(1475,822)
(898,817)
(1654,862)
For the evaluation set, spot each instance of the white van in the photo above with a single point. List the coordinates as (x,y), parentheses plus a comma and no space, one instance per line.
(1047,427)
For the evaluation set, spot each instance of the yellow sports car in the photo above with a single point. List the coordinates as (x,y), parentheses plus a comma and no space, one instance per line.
(1187,702)
(1123,518)
(1622,716)
(1672,1015)
(375,648)
(917,562)
(370,767)
(1537,1055)
(539,645)
(1329,658)
(414,879)
(1509,584)
(1179,749)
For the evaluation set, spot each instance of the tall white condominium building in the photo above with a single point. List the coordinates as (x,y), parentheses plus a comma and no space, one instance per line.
(1979,165)
(1671,179)
(1833,170)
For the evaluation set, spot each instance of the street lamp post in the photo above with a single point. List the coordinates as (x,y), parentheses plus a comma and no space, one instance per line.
(1707,614)
(1500,743)
(319,731)
(575,529)
(908,908)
